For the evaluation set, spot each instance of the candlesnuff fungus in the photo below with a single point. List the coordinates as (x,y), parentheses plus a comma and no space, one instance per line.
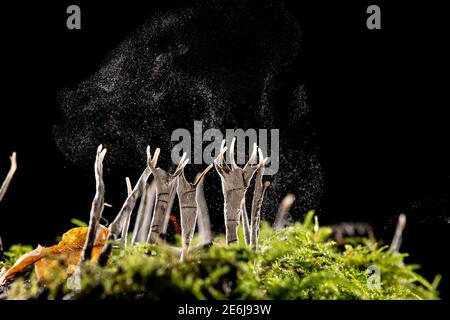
(283,210)
(97,205)
(144,215)
(397,240)
(187,197)
(235,182)
(9,176)
(164,185)
(258,197)
(116,226)
(5,186)
(126,225)
(203,222)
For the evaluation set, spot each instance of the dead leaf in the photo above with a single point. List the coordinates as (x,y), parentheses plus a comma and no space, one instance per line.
(65,256)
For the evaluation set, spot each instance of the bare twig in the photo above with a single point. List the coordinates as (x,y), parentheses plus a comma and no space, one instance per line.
(258,197)
(397,240)
(116,226)
(164,183)
(235,182)
(187,196)
(283,210)
(97,205)
(144,215)
(203,221)
(126,225)
(9,176)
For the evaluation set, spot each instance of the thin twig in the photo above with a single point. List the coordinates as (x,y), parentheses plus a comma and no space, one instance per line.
(283,210)
(97,205)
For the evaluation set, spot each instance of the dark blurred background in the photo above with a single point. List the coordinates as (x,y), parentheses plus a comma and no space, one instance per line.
(378,103)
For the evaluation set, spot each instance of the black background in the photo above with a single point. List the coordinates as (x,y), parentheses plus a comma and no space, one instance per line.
(378,100)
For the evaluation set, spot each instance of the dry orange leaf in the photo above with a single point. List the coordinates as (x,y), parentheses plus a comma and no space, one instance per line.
(63,256)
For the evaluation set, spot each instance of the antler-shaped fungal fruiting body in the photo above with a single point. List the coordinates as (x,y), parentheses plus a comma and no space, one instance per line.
(9,176)
(116,226)
(188,194)
(164,188)
(97,207)
(235,182)
(397,239)
(258,197)
(5,186)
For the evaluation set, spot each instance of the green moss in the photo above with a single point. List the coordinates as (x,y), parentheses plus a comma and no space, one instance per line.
(291,264)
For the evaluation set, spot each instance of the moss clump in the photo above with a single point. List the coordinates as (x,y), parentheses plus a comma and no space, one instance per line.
(292,264)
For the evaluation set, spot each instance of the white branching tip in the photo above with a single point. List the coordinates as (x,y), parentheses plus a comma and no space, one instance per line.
(220,159)
(262,161)
(181,165)
(232,159)
(316,228)
(252,157)
(13,159)
(152,161)
(200,176)
(129,187)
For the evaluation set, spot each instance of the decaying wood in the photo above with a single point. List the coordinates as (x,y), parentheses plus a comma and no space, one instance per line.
(116,226)
(203,221)
(283,210)
(126,225)
(164,184)
(397,240)
(144,215)
(235,182)
(258,197)
(97,207)
(9,176)
(187,197)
